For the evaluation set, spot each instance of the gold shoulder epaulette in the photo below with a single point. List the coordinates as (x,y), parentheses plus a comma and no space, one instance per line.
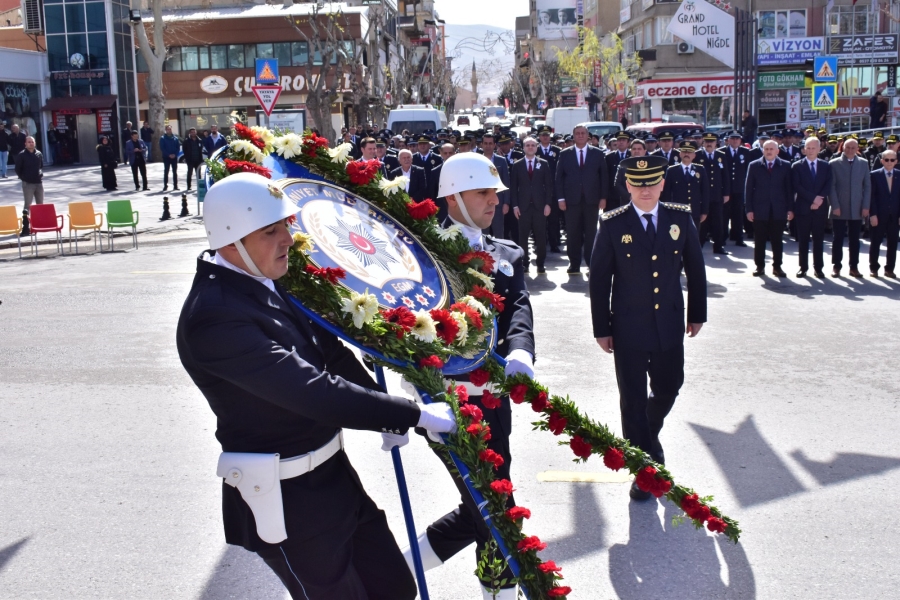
(676,206)
(609,214)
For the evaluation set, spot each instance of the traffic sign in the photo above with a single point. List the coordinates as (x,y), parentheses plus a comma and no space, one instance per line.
(824,96)
(825,69)
(267,96)
(267,71)
(890,91)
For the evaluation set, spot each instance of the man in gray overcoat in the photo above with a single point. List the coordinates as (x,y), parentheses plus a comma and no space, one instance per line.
(850,195)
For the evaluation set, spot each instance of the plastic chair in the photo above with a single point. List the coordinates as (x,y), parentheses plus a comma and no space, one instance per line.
(11,224)
(43,218)
(82,217)
(119,214)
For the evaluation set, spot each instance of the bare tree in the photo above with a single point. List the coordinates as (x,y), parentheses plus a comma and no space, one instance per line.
(155,56)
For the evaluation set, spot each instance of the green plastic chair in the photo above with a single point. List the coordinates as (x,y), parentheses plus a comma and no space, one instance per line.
(119,214)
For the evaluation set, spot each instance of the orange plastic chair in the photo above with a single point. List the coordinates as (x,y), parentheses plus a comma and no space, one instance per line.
(43,218)
(82,217)
(11,224)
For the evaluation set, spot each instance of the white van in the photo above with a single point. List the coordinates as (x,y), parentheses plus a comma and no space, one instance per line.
(416,118)
(564,120)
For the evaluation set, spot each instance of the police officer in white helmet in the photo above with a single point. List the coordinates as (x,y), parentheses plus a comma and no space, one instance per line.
(282,388)
(469,183)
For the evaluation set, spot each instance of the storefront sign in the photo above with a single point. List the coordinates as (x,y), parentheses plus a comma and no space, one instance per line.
(792,109)
(58,75)
(567,100)
(708,87)
(789,51)
(708,28)
(772,99)
(58,121)
(75,111)
(782,80)
(296,84)
(864,50)
(625,14)
(104,120)
(214,84)
(860,107)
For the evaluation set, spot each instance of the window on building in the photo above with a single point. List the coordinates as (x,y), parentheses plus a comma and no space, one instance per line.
(662,34)
(56,52)
(299,53)
(98,52)
(629,44)
(850,20)
(265,51)
(96,16)
(55,22)
(173,60)
(190,61)
(782,23)
(203,54)
(283,53)
(75,18)
(235,56)
(648,34)
(218,57)
(639,38)
(249,55)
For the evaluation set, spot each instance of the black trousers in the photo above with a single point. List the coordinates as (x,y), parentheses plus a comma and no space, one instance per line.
(714,227)
(368,566)
(769,230)
(193,172)
(532,220)
(459,528)
(845,229)
(511,226)
(170,163)
(734,217)
(642,413)
(142,167)
(888,230)
(554,225)
(581,229)
(811,223)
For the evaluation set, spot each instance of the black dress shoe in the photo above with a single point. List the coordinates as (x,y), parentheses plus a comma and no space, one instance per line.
(759,272)
(801,273)
(835,272)
(175,187)
(777,272)
(855,273)
(165,187)
(819,274)
(541,270)
(741,244)
(720,251)
(890,274)
(638,494)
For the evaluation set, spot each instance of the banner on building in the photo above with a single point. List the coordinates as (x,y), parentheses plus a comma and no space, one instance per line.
(789,51)
(556,19)
(864,50)
(781,80)
(709,29)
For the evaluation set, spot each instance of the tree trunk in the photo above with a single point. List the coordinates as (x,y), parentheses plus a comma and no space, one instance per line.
(155,57)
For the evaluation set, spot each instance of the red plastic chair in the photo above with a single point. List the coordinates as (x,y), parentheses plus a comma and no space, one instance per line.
(43,218)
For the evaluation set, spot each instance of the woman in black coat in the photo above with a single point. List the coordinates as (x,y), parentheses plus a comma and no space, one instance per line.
(108,163)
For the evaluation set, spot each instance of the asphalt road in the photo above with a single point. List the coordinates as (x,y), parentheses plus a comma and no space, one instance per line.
(788,416)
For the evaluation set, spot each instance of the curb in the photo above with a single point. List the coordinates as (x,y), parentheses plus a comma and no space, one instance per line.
(50,240)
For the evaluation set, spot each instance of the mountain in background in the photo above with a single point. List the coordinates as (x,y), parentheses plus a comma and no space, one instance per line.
(466,43)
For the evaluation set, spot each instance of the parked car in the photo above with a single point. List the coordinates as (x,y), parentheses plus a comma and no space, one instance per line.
(657,128)
(602,128)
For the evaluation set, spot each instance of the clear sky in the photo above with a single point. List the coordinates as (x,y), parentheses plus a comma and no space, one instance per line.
(499,13)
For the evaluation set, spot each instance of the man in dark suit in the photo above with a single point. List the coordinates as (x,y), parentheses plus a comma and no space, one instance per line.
(719,192)
(214,140)
(736,160)
(614,199)
(666,148)
(884,214)
(556,220)
(417,182)
(280,385)
(811,182)
(688,184)
(498,227)
(637,306)
(531,193)
(581,187)
(769,199)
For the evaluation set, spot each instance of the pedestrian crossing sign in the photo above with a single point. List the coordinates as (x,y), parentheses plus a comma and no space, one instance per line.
(267,71)
(824,96)
(825,69)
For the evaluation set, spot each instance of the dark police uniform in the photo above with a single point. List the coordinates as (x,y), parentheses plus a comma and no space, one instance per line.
(636,298)
(279,384)
(736,162)
(719,184)
(692,189)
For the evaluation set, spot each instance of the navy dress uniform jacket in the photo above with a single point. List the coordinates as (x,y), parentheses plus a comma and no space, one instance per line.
(718,180)
(769,195)
(674,157)
(691,190)
(635,286)
(278,383)
(736,163)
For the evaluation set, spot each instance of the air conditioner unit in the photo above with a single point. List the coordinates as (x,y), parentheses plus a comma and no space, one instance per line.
(685,48)
(31,16)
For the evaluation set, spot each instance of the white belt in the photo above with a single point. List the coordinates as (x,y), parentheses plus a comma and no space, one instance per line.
(288,468)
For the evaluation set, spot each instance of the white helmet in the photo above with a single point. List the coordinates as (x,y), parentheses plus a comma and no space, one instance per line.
(468,171)
(239,205)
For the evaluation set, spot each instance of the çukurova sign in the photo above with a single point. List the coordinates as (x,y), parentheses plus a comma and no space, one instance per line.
(709,29)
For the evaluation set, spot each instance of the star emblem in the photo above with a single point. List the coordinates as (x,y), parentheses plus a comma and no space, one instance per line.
(388,297)
(409,303)
(428,291)
(421,300)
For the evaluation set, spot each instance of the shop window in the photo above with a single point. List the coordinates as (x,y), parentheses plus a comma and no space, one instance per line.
(265,51)
(56,52)
(235,56)
(54,19)
(77,45)
(283,53)
(173,60)
(96,16)
(663,35)
(98,57)
(250,55)
(203,53)
(782,23)
(299,53)
(218,57)
(75,18)
(189,59)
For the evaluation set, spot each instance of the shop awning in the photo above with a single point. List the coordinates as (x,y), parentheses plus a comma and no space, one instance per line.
(79,102)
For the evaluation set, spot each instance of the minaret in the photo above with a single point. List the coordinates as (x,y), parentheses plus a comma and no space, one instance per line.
(474,85)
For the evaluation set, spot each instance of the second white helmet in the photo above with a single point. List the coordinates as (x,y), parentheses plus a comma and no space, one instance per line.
(468,171)
(239,205)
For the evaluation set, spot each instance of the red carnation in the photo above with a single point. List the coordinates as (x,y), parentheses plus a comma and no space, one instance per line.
(716,525)
(445,324)
(540,403)
(614,458)
(432,361)
(471,411)
(581,448)
(245,133)
(422,210)
(557,423)
(702,513)
(646,478)
(329,274)
(517,393)
(549,567)
(243,166)
(661,487)
(472,315)
(461,394)
(477,429)
(532,542)
(489,456)
(479,377)
(559,592)
(690,503)
(400,317)
(314,140)
(518,512)
(488,400)
(502,486)
(362,172)
(479,259)
(492,298)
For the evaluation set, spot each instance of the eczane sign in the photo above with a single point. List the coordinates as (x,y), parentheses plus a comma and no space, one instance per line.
(709,29)
(709,87)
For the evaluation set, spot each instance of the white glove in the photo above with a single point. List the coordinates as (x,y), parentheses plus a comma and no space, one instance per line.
(437,417)
(390,440)
(519,361)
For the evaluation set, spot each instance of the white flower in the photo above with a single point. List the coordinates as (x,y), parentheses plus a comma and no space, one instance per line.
(460,319)
(288,146)
(388,187)
(265,134)
(424,328)
(362,307)
(487,281)
(449,233)
(247,150)
(476,304)
(340,154)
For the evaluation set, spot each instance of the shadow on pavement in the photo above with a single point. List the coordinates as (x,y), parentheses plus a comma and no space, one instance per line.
(663,561)
(587,527)
(241,574)
(855,289)
(845,466)
(7,553)
(754,471)
(538,284)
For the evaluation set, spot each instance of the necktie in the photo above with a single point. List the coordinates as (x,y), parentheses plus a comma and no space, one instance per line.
(530,168)
(581,158)
(687,172)
(651,230)
(812,167)
(889,179)
(770,167)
